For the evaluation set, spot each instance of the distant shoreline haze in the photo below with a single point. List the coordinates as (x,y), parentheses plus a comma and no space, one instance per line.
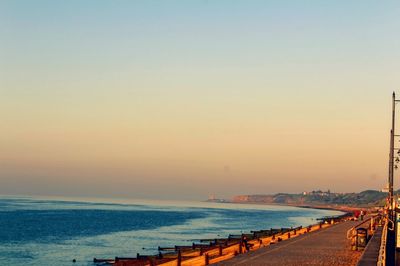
(306,198)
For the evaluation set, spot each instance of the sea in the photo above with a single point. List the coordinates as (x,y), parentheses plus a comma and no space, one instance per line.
(54,231)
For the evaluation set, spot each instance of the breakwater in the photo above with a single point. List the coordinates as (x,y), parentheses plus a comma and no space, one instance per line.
(209,251)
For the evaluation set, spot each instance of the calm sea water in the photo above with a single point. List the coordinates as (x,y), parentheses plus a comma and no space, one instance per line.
(44,231)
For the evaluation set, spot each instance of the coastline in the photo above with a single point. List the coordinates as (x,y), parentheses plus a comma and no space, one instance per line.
(342,208)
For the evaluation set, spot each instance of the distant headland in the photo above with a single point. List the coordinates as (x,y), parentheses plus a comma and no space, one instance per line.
(315,199)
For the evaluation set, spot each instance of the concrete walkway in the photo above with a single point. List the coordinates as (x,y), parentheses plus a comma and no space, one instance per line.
(323,247)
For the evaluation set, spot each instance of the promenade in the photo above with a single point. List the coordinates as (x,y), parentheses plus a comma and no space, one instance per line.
(327,246)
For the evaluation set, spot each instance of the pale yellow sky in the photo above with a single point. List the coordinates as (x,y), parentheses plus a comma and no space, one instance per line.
(182,106)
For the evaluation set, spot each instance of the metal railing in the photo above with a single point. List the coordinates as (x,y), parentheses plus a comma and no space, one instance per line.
(353,231)
(382,249)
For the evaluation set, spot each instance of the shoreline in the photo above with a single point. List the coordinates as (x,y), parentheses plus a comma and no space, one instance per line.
(342,208)
(218,252)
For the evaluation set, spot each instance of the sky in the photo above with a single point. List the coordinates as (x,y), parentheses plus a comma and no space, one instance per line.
(184,99)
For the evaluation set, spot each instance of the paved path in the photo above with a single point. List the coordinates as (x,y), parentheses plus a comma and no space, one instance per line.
(323,247)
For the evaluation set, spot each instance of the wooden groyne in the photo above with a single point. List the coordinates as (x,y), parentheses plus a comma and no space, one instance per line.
(208,251)
(322,247)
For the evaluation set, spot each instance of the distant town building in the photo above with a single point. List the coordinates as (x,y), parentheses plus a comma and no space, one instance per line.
(319,193)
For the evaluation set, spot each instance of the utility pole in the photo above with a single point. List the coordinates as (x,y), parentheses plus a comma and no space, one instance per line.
(391,234)
(391,160)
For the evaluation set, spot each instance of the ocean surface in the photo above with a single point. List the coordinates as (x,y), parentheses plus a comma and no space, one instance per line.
(54,231)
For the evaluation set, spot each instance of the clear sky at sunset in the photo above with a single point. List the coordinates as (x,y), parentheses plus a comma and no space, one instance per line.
(182,99)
